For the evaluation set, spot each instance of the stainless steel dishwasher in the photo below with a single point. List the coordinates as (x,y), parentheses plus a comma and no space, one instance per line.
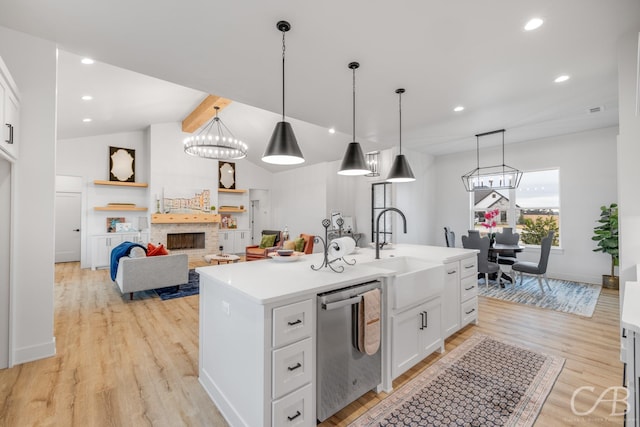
(343,372)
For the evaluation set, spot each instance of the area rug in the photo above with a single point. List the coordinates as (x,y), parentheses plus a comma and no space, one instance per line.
(483,382)
(184,290)
(568,297)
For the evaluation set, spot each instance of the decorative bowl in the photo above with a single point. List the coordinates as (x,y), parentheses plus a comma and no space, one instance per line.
(285,252)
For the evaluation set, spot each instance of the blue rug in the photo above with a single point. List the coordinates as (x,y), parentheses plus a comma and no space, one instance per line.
(185,290)
(568,297)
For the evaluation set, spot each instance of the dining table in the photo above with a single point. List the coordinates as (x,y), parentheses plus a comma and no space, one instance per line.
(502,248)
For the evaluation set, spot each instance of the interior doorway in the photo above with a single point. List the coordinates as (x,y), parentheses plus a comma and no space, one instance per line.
(68,218)
(259,214)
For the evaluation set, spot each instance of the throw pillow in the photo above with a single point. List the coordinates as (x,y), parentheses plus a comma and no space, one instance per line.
(137,252)
(299,244)
(153,250)
(289,244)
(267,241)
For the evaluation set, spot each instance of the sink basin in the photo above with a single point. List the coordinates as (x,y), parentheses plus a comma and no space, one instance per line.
(414,279)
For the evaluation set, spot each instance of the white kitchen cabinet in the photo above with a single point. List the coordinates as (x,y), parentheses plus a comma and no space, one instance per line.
(233,241)
(9,113)
(460,294)
(102,244)
(630,355)
(416,333)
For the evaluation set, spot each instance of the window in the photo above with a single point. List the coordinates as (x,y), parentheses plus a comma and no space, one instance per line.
(380,200)
(533,209)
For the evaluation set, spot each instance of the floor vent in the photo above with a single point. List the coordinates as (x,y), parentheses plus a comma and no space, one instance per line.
(594,110)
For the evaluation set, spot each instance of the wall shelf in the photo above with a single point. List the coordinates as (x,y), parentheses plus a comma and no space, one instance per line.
(119,208)
(121,184)
(231,210)
(228,190)
(184,218)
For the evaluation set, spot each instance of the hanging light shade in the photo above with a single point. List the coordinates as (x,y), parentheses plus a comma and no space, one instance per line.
(215,141)
(283,147)
(400,169)
(498,177)
(353,162)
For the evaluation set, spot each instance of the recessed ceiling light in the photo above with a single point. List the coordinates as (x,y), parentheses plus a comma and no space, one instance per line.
(87,61)
(533,24)
(562,78)
(87,120)
(87,98)
(332,130)
(458,108)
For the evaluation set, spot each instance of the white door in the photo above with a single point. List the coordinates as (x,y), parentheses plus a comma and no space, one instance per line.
(5,259)
(67,237)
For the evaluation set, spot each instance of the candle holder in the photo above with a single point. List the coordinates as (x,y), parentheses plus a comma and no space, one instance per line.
(326,244)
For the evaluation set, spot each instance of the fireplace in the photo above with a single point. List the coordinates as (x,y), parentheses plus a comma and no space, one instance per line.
(185,241)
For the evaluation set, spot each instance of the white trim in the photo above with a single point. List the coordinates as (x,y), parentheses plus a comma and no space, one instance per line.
(35,352)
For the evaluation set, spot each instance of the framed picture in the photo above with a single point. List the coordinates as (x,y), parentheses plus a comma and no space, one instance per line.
(226,175)
(122,164)
(112,223)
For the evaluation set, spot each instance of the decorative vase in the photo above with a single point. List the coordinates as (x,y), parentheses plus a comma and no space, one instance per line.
(611,282)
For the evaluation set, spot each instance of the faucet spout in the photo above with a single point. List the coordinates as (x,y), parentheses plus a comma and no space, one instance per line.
(404,220)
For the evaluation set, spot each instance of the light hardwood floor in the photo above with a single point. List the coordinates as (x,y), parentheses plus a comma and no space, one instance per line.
(135,363)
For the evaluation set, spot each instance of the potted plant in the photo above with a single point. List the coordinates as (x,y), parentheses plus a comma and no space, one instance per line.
(606,234)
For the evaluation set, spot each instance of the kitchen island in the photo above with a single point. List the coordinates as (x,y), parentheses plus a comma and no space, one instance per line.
(258,325)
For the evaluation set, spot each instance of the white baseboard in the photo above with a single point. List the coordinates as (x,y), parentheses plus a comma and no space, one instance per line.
(34,352)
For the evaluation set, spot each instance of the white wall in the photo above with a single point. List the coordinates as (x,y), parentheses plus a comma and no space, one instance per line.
(89,158)
(588,180)
(32,63)
(628,157)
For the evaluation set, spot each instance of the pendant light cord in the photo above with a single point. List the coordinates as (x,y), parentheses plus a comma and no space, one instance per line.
(354,104)
(400,111)
(283,49)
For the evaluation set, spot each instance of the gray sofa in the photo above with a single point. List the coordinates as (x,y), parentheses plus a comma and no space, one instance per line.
(141,274)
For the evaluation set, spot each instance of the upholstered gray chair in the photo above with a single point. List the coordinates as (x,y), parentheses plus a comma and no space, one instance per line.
(507,237)
(449,238)
(540,268)
(474,241)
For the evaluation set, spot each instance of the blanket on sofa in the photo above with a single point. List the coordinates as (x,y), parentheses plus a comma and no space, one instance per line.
(118,252)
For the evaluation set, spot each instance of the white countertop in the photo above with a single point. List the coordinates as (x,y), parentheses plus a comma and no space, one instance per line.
(268,281)
(630,313)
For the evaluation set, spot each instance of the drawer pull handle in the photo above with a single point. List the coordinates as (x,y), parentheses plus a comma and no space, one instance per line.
(468,289)
(469,312)
(294,323)
(469,266)
(10,140)
(294,367)
(295,416)
(624,333)
(451,272)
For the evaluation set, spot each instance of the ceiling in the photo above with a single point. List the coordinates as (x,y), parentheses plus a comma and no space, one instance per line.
(468,52)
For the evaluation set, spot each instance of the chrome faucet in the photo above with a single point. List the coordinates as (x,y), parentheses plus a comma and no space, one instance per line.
(404,220)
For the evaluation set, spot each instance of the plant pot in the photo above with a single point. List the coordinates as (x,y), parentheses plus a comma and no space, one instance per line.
(611,282)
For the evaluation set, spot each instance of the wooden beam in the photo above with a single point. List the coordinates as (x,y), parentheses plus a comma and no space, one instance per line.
(203,113)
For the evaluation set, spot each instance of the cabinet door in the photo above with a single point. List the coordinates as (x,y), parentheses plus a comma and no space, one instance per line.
(451,299)
(101,253)
(406,347)
(226,241)
(9,115)
(241,240)
(430,336)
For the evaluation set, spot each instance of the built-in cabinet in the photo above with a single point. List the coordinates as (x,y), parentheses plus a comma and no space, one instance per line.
(460,294)
(9,113)
(101,245)
(416,333)
(234,241)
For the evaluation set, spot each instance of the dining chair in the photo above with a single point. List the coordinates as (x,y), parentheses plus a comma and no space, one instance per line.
(474,241)
(507,237)
(449,238)
(538,269)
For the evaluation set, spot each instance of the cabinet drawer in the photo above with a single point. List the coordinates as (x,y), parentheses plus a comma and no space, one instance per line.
(469,266)
(295,409)
(469,311)
(292,366)
(292,322)
(468,288)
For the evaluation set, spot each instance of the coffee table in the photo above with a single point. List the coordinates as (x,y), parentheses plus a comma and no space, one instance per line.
(225,258)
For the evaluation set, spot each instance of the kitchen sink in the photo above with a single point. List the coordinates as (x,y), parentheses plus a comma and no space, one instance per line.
(414,279)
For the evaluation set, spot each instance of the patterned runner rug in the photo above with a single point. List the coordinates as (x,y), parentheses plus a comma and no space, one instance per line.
(184,290)
(483,382)
(568,297)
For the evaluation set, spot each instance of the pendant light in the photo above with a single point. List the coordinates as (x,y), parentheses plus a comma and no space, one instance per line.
(400,169)
(353,162)
(215,141)
(283,147)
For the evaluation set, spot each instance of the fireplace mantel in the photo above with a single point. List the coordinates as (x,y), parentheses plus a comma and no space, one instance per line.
(184,218)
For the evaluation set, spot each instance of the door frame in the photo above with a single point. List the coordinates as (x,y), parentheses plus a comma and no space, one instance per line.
(11,210)
(75,184)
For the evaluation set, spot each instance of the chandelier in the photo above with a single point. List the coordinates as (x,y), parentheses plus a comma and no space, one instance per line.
(498,177)
(215,141)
